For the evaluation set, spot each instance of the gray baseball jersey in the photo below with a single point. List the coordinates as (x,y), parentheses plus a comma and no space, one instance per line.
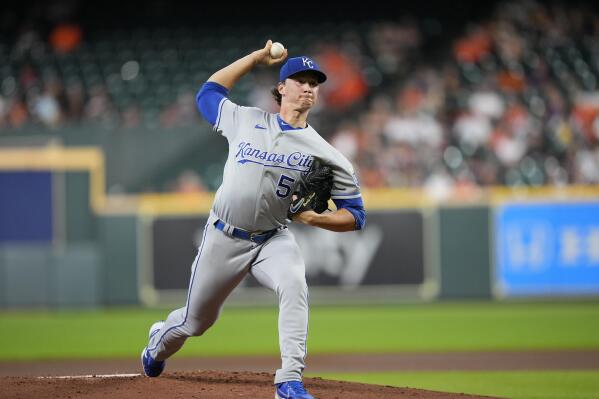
(264,166)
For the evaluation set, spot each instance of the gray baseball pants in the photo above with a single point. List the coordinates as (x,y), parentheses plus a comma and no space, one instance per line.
(220,265)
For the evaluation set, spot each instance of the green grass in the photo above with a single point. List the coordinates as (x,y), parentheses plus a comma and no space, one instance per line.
(512,384)
(252,331)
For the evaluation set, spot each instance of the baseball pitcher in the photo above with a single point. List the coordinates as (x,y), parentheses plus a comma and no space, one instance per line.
(279,169)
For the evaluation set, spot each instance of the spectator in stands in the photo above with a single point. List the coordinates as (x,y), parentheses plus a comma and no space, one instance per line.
(75,101)
(131,116)
(188,181)
(46,109)
(99,107)
(65,38)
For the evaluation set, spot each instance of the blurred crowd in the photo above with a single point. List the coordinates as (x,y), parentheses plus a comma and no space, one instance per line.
(516,103)
(513,99)
(48,97)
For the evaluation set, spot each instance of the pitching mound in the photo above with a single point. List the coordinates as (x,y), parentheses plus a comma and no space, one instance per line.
(201,384)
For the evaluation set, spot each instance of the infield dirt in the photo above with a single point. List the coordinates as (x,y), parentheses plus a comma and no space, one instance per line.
(201,384)
(244,377)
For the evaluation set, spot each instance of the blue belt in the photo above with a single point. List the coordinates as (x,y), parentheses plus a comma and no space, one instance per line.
(258,238)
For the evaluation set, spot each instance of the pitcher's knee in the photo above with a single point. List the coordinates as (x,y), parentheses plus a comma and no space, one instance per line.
(294,286)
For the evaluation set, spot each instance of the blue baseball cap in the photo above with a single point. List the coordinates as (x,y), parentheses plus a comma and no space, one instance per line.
(300,64)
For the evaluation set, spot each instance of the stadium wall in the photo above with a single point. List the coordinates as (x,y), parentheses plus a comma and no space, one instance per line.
(69,243)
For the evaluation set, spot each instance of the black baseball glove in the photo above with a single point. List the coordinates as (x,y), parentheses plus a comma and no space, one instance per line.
(314,190)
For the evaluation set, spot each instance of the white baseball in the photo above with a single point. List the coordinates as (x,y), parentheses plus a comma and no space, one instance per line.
(276,50)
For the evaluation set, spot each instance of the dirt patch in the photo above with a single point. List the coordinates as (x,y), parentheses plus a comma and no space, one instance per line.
(201,384)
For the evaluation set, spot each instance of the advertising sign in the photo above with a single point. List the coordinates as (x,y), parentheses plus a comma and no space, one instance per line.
(389,251)
(547,249)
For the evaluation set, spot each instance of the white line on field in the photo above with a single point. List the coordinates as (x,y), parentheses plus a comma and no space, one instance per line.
(68,377)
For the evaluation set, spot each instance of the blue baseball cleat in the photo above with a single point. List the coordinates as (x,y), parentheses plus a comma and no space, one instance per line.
(292,390)
(152,368)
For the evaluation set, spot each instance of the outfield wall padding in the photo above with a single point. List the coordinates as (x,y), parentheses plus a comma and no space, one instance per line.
(464,246)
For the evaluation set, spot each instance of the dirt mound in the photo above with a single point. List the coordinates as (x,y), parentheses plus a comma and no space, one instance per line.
(200,384)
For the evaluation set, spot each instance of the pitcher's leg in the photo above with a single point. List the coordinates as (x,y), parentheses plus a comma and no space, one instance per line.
(220,265)
(280,267)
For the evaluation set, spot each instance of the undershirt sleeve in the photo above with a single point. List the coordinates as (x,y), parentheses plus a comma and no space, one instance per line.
(356,207)
(209,99)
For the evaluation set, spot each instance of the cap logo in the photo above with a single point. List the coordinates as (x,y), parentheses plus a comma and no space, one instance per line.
(308,62)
